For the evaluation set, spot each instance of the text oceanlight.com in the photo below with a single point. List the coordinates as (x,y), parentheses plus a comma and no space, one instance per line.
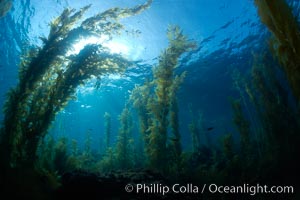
(210,188)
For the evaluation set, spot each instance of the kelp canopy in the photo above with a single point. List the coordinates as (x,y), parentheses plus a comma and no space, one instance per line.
(48,77)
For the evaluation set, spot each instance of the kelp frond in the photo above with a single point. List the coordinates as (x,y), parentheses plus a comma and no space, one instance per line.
(285,41)
(108,21)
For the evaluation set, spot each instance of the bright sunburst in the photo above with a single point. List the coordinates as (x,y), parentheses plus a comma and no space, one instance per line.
(118,47)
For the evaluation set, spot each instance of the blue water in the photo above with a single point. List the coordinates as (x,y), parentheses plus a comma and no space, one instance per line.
(227,32)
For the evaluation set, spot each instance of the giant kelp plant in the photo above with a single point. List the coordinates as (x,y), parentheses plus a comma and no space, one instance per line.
(48,78)
(166,84)
(158,100)
(285,41)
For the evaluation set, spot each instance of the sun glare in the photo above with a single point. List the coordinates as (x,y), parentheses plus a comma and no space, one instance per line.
(113,46)
(117,47)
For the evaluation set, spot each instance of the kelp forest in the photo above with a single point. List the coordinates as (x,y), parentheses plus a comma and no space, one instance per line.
(263,148)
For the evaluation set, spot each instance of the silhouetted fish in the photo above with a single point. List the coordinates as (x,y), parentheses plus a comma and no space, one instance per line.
(174,139)
(210,128)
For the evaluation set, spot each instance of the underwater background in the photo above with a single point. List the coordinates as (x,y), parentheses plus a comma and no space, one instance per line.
(164,91)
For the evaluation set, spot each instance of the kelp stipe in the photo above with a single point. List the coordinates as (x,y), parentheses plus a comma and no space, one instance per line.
(195,129)
(124,146)
(107,131)
(243,127)
(271,143)
(280,121)
(139,98)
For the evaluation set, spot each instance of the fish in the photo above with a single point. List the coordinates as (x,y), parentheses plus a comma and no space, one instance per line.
(174,139)
(210,128)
